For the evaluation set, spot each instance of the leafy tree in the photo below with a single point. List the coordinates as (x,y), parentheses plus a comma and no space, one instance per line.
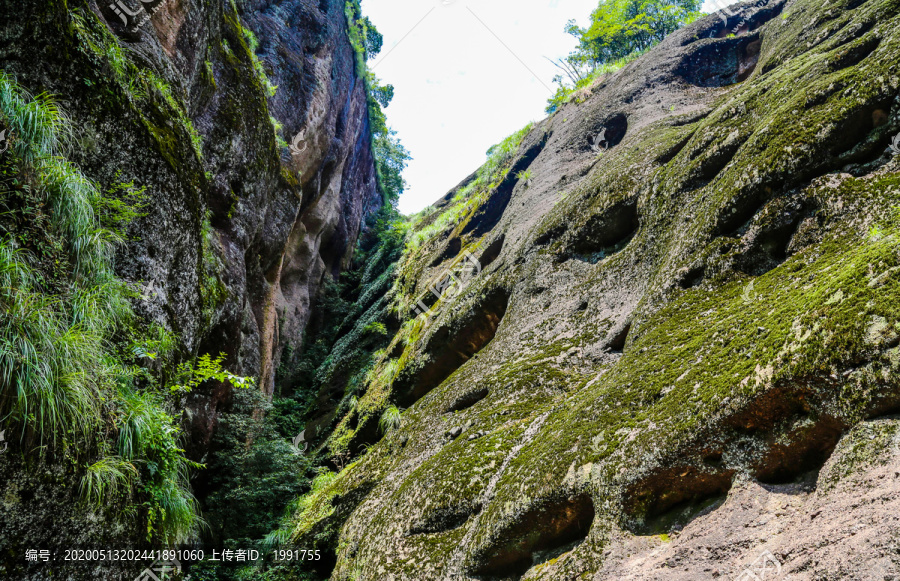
(618,30)
(621,27)
(373,39)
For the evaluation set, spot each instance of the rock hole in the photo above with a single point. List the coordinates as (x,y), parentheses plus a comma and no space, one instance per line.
(692,277)
(443,520)
(539,535)
(851,143)
(468,400)
(607,134)
(607,232)
(550,234)
(713,459)
(812,441)
(450,251)
(451,346)
(854,54)
(748,60)
(784,432)
(721,62)
(678,516)
(618,339)
(770,234)
(493,250)
(717,159)
(736,217)
(673,495)
(670,154)
(367,433)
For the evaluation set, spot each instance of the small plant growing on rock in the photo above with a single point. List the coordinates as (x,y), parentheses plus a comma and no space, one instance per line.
(192,374)
(390,419)
(524,176)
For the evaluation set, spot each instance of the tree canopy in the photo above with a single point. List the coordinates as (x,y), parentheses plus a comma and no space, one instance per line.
(618,29)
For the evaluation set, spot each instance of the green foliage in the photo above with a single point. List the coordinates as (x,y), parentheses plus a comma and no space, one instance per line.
(376,327)
(621,27)
(53,355)
(105,479)
(565,92)
(305,510)
(191,374)
(495,168)
(390,155)
(66,384)
(122,204)
(213,291)
(618,29)
(149,437)
(254,473)
(252,46)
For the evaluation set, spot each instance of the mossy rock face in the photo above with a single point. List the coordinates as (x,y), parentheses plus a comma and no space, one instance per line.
(234,245)
(711,298)
(238,233)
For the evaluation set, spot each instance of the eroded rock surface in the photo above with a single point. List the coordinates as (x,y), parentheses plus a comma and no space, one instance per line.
(674,330)
(238,230)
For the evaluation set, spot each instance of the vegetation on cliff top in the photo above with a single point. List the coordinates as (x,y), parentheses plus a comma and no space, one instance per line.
(619,31)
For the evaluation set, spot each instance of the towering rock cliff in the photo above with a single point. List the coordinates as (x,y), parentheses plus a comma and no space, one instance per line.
(238,231)
(677,355)
(196,104)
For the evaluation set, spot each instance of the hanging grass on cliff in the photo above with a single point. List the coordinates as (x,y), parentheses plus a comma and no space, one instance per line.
(73,381)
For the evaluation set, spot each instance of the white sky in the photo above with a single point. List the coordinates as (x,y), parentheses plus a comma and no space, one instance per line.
(459,90)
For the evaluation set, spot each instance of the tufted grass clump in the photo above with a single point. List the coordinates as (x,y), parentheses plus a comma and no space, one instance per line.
(105,479)
(391,418)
